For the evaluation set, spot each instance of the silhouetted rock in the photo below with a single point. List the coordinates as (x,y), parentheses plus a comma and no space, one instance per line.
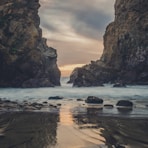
(25,58)
(79,99)
(55,98)
(125,49)
(94,100)
(110,106)
(124,103)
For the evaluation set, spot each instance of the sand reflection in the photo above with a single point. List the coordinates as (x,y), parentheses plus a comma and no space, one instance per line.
(83,127)
(66,116)
(70,135)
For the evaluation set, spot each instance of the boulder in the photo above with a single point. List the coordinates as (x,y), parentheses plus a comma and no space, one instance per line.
(94,100)
(124,103)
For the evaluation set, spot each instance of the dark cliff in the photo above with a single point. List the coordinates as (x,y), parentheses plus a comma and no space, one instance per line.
(25,59)
(125,55)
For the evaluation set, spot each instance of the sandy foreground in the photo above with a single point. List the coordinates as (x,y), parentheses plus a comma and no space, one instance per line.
(71,125)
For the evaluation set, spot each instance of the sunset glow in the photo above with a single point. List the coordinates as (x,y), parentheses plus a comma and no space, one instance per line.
(67,69)
(75,29)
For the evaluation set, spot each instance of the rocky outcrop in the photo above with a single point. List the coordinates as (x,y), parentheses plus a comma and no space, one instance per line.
(125,55)
(25,59)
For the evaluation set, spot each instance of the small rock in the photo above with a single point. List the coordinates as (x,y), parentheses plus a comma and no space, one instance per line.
(59,104)
(109,106)
(94,100)
(124,103)
(36,104)
(55,98)
(79,99)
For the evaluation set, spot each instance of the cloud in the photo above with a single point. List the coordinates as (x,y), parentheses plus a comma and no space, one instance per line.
(86,18)
(75,28)
(73,53)
(90,24)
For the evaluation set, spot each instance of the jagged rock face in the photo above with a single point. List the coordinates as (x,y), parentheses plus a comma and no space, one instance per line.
(25,59)
(125,55)
(125,40)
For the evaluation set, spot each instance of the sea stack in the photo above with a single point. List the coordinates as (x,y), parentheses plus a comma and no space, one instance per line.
(125,55)
(25,59)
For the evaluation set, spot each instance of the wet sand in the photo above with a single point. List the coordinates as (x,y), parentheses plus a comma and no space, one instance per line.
(71,126)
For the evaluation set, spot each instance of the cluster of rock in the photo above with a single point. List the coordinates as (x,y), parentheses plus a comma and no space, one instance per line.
(8,105)
(125,55)
(25,59)
(122,105)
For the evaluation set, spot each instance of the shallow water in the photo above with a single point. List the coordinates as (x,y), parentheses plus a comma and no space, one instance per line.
(137,94)
(67,91)
(71,127)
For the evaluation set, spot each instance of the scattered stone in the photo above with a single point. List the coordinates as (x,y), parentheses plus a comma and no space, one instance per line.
(94,100)
(8,105)
(45,102)
(59,104)
(55,98)
(51,105)
(36,104)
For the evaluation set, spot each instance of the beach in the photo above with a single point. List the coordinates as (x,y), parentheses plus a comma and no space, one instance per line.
(71,124)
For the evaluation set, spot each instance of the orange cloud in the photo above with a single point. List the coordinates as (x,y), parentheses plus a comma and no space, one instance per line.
(67,69)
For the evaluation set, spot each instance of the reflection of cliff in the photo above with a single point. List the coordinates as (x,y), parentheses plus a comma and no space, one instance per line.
(25,59)
(125,49)
(29,130)
(116,131)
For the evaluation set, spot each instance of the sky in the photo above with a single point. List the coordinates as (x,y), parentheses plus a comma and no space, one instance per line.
(75,28)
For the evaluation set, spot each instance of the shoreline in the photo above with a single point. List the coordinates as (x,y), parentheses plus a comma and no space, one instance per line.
(67,125)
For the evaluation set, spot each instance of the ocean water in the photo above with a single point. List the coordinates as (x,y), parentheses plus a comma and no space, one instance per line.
(137,94)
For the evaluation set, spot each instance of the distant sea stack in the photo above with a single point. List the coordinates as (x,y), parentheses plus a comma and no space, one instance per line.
(25,59)
(125,55)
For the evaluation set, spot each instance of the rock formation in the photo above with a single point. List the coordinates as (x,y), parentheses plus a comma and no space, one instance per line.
(25,59)
(125,55)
